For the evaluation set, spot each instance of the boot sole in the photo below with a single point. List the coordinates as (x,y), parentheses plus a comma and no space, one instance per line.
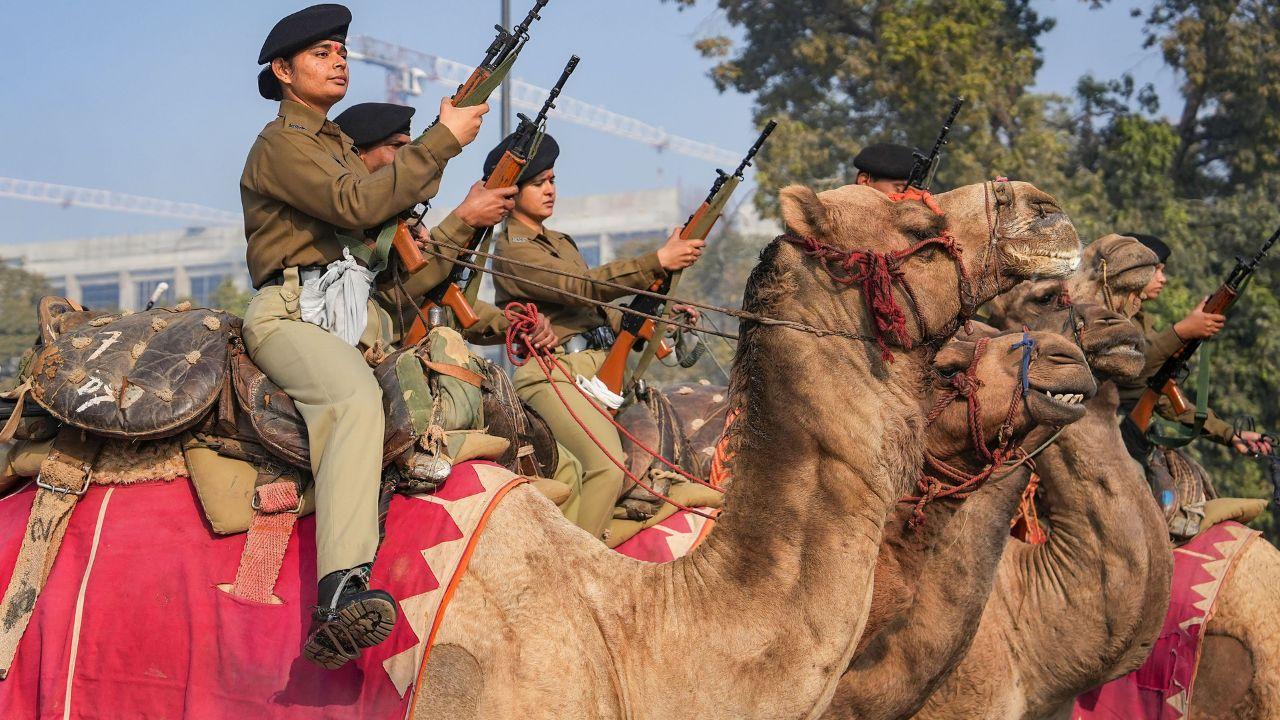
(369,621)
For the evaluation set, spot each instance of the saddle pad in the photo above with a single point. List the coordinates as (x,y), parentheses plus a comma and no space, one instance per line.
(203,653)
(1161,689)
(141,376)
(670,539)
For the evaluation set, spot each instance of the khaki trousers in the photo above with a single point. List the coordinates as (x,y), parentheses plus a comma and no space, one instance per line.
(602,480)
(341,403)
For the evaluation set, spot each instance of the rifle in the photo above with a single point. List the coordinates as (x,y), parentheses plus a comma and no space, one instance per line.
(636,331)
(1165,381)
(497,64)
(924,167)
(524,145)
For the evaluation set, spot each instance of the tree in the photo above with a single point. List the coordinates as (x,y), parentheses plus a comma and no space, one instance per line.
(20,293)
(230,298)
(839,75)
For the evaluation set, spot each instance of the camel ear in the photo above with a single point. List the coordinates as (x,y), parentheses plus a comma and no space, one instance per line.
(954,357)
(803,213)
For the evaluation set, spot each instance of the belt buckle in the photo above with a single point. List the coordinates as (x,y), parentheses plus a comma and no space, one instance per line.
(88,477)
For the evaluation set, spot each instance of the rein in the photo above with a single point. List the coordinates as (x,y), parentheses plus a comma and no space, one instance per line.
(524,318)
(940,479)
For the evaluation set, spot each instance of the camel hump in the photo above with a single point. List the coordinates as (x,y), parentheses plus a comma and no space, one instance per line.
(139,376)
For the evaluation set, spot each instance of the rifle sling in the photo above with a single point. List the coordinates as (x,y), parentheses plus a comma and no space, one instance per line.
(374,258)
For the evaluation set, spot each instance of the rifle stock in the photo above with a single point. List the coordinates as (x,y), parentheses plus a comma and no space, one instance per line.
(407,248)
(452,299)
(614,370)
(1145,408)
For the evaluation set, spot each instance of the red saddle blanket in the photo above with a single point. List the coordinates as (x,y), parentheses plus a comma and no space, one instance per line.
(131,623)
(1161,689)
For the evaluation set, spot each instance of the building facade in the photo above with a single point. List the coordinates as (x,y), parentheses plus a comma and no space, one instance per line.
(123,271)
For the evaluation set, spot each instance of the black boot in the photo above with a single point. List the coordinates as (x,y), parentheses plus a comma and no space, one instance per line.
(348,617)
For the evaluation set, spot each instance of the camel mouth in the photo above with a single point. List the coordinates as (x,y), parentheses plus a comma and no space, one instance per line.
(1057,407)
(1117,356)
(1045,264)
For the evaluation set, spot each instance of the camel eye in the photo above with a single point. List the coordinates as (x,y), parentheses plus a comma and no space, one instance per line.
(1045,300)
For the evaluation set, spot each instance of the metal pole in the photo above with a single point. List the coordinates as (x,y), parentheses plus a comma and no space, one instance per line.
(506,83)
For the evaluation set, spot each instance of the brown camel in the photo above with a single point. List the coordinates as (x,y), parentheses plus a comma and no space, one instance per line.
(761,618)
(950,565)
(1086,606)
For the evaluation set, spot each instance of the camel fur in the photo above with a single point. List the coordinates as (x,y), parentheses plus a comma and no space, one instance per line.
(761,619)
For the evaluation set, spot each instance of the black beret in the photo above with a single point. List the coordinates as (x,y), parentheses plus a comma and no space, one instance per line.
(1154,244)
(295,32)
(545,158)
(368,124)
(886,160)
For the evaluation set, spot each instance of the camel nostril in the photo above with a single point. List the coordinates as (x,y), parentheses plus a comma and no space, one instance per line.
(1063,358)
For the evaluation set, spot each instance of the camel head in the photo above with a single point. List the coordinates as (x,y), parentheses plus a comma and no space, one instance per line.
(1004,232)
(1112,345)
(1059,381)
(1114,269)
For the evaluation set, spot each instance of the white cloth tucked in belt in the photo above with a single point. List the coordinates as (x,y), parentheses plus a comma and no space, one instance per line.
(338,300)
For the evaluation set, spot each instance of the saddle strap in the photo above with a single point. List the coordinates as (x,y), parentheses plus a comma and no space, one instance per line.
(11,427)
(275,512)
(64,477)
(456,372)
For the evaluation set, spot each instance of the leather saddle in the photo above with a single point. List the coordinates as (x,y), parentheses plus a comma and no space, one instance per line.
(155,374)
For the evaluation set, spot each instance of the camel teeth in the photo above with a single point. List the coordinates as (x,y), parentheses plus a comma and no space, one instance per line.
(1079,398)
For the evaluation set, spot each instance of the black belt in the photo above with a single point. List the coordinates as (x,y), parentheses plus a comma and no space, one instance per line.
(597,338)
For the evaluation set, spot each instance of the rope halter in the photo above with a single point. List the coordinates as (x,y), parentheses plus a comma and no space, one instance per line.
(940,479)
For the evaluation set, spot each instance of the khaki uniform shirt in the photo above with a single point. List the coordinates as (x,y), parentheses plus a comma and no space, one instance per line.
(1161,344)
(555,250)
(452,235)
(303,182)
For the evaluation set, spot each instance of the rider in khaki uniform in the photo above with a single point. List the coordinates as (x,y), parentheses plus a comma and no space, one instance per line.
(381,130)
(1161,344)
(302,188)
(583,330)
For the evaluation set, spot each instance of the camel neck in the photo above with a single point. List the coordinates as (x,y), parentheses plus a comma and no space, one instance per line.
(1102,578)
(788,568)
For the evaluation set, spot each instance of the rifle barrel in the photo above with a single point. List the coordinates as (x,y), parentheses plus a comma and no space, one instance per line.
(751,154)
(533,15)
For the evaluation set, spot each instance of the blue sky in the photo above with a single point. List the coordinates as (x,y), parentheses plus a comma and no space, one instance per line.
(158,98)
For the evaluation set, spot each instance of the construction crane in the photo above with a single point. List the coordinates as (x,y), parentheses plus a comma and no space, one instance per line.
(407,68)
(70,196)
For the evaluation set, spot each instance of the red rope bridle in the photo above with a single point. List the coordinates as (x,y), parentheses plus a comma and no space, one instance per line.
(940,479)
(524,319)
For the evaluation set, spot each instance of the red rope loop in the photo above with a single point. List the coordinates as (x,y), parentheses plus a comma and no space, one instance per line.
(940,479)
(524,317)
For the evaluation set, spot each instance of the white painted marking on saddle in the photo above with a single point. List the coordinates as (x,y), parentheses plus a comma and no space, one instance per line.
(110,340)
(92,386)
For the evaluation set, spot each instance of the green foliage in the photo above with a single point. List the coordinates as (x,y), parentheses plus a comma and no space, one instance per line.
(230,298)
(20,291)
(839,74)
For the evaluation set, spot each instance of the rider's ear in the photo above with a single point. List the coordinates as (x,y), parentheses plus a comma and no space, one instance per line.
(954,357)
(803,213)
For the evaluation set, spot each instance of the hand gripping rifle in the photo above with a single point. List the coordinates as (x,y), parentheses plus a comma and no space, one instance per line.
(497,64)
(924,167)
(1165,381)
(637,330)
(524,145)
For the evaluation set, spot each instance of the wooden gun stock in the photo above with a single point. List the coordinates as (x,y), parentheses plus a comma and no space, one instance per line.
(696,220)
(614,369)
(478,76)
(1221,301)
(506,172)
(407,248)
(1146,405)
(452,299)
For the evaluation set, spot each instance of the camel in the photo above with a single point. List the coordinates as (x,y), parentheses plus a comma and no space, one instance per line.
(1086,606)
(761,618)
(1239,670)
(951,561)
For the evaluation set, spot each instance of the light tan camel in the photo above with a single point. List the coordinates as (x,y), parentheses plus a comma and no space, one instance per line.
(1239,672)
(1086,606)
(934,583)
(760,620)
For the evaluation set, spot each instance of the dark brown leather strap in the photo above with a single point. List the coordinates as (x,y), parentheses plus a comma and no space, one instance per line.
(469,377)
